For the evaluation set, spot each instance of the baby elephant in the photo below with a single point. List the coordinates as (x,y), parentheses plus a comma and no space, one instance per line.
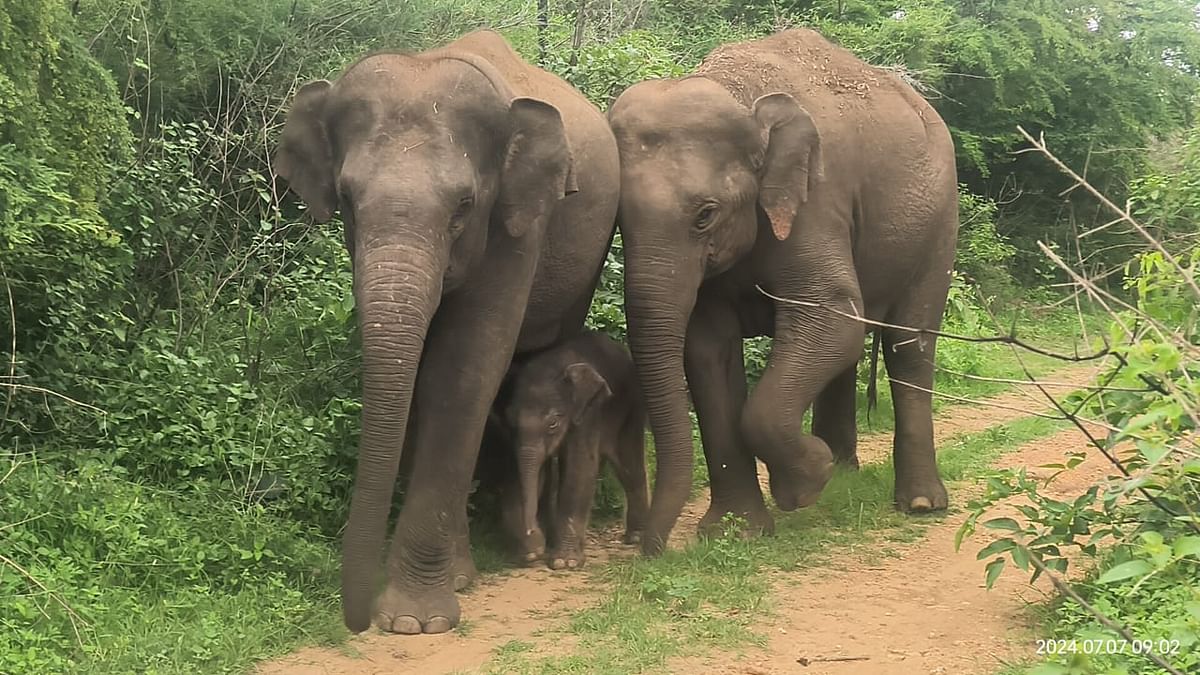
(574,403)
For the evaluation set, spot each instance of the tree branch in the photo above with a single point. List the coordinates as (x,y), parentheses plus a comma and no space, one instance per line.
(1001,339)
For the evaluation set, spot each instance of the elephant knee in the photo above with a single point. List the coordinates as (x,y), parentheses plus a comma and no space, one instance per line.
(763,428)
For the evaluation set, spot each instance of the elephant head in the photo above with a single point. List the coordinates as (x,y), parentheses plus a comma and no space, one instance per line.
(426,157)
(548,401)
(703,177)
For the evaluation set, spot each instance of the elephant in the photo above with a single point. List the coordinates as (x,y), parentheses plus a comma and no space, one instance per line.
(784,188)
(576,403)
(478,196)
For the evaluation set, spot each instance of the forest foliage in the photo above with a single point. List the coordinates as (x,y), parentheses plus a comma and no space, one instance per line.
(180,371)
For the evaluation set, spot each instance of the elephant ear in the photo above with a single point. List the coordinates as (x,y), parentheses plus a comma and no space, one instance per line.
(587,386)
(538,167)
(792,164)
(303,158)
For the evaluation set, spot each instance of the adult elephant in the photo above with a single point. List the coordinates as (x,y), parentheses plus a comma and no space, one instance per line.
(479,197)
(784,163)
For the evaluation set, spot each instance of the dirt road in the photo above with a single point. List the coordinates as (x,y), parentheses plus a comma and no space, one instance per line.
(924,610)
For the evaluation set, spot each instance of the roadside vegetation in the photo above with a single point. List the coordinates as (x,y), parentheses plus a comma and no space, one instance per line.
(179,369)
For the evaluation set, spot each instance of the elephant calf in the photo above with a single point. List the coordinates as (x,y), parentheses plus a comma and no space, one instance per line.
(575,403)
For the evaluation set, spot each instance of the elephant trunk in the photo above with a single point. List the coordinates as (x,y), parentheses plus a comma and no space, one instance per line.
(397,287)
(530,477)
(659,297)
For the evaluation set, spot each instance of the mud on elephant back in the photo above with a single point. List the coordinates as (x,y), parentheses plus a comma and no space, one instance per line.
(478,195)
(784,164)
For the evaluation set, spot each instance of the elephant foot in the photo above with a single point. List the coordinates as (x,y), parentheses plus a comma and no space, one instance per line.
(654,542)
(921,496)
(567,558)
(462,570)
(758,520)
(532,547)
(799,484)
(848,462)
(412,611)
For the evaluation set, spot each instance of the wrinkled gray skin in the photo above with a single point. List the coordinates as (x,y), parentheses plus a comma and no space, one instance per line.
(478,195)
(788,163)
(577,402)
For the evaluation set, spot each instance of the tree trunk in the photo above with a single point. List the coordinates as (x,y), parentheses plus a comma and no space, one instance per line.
(577,39)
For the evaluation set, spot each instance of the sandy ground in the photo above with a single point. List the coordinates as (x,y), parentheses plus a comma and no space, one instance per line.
(923,610)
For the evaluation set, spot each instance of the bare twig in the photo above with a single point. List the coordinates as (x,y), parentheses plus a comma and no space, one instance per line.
(76,620)
(12,360)
(1002,406)
(1044,383)
(1001,339)
(1040,146)
(805,661)
(43,390)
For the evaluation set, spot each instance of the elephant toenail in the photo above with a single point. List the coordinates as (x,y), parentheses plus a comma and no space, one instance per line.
(437,624)
(920,504)
(406,625)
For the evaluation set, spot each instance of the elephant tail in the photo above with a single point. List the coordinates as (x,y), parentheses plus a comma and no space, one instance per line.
(872,381)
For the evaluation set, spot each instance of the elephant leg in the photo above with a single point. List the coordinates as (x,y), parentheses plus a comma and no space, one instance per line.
(716,375)
(910,361)
(462,569)
(629,460)
(812,347)
(463,363)
(548,503)
(580,464)
(834,417)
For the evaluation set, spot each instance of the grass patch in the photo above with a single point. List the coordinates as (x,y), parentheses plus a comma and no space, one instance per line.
(156,581)
(707,596)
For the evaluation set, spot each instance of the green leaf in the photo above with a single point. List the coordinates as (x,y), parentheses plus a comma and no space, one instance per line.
(1021,558)
(1133,568)
(1193,608)
(998,546)
(1006,524)
(1187,546)
(993,571)
(1152,538)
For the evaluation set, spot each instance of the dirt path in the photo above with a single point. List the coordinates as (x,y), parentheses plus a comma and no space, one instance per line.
(923,611)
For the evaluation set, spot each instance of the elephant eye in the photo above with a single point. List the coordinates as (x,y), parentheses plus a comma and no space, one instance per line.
(553,423)
(463,208)
(706,216)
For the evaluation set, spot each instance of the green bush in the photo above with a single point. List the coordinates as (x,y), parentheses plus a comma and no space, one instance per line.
(101,573)
(1143,530)
(984,255)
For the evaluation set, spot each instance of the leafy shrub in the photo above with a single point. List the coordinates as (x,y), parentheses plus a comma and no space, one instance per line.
(984,254)
(1142,527)
(104,561)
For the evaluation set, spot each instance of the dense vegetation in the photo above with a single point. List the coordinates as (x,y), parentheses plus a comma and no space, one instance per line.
(180,379)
